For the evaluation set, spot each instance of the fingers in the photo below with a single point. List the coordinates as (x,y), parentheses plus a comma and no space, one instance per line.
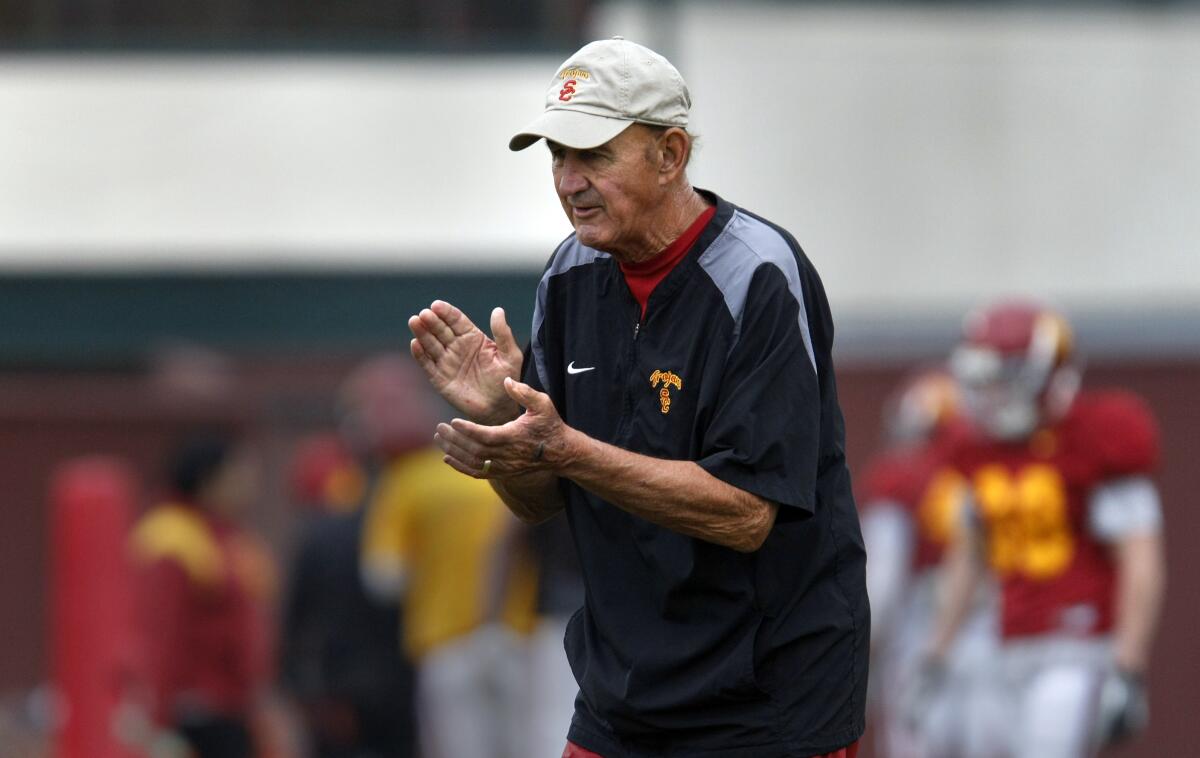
(461,446)
(463,454)
(472,444)
(513,448)
(455,319)
(527,397)
(487,438)
(429,345)
(462,468)
(423,359)
(506,343)
(436,326)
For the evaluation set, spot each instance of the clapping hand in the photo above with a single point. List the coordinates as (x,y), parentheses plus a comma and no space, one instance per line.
(534,442)
(466,366)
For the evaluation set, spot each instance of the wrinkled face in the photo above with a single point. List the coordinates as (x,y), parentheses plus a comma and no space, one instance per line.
(610,193)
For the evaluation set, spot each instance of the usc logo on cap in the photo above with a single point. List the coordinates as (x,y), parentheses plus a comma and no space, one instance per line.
(571,77)
(667,379)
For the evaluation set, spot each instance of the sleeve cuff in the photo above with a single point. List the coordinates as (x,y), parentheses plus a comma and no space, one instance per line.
(776,488)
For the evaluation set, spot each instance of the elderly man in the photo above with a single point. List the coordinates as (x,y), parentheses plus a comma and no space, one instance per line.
(678,402)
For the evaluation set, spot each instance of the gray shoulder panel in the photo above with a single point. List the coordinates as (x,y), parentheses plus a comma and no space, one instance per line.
(569,255)
(731,260)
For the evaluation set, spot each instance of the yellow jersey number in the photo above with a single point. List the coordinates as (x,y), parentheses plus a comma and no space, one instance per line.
(939,511)
(1026,516)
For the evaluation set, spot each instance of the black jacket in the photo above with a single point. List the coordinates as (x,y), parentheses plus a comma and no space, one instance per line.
(683,647)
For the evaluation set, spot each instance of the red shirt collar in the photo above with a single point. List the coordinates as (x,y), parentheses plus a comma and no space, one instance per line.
(644,276)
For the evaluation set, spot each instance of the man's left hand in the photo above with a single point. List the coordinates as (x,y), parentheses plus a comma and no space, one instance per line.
(538,440)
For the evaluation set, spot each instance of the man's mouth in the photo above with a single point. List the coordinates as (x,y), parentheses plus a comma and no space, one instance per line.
(584,213)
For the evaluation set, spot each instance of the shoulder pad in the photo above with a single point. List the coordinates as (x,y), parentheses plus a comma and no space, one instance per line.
(179,534)
(1121,429)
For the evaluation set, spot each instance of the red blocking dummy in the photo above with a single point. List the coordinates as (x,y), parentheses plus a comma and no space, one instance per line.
(92,502)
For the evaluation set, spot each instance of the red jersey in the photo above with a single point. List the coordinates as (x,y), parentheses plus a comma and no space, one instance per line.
(202,593)
(1032,498)
(915,479)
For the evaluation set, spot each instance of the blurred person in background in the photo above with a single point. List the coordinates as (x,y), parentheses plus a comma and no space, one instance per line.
(437,541)
(551,684)
(680,406)
(205,600)
(1063,511)
(340,660)
(909,503)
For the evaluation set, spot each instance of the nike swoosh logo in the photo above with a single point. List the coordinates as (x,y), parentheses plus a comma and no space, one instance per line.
(572,370)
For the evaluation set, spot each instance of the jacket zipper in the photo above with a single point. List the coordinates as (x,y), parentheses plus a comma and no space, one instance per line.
(626,422)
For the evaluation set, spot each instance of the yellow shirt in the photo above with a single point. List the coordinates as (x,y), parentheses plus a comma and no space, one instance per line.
(178,533)
(443,532)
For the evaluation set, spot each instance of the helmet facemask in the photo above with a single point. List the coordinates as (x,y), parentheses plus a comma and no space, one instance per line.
(1011,393)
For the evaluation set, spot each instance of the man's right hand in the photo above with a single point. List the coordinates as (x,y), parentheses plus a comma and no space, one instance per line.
(466,366)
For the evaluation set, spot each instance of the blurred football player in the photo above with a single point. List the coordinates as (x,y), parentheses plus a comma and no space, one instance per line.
(431,539)
(909,503)
(205,591)
(339,657)
(1063,512)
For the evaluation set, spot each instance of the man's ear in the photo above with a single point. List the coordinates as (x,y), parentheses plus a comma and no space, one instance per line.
(674,149)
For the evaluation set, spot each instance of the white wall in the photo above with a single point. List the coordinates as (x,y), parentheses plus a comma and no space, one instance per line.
(924,158)
(937,156)
(184,161)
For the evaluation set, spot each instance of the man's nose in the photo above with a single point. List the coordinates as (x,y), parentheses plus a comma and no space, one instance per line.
(570,180)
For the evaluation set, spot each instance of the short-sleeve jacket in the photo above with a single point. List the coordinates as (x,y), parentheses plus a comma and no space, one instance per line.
(684,647)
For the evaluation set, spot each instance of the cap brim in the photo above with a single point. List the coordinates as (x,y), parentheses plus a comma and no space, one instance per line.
(575,129)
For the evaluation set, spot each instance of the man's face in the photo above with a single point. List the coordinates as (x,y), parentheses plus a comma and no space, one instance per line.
(610,193)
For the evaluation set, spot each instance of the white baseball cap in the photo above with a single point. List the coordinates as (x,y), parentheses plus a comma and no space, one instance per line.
(602,89)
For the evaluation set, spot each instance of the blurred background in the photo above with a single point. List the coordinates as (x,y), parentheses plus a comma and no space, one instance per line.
(211,214)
